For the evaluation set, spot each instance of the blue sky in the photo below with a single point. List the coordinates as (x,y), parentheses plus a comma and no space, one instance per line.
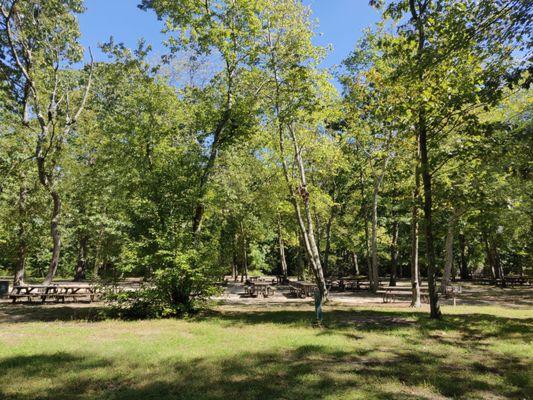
(341,23)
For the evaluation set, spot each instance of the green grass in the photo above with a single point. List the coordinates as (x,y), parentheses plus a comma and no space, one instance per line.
(270,353)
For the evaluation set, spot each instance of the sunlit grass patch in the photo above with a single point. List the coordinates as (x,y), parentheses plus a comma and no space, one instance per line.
(246,353)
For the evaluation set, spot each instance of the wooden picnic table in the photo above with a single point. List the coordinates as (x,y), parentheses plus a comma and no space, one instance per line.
(305,289)
(263,288)
(392,293)
(513,280)
(58,292)
(350,281)
(354,282)
(485,280)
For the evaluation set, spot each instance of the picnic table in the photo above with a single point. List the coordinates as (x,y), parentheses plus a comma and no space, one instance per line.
(259,288)
(513,280)
(54,291)
(392,293)
(302,289)
(486,280)
(352,282)
(453,291)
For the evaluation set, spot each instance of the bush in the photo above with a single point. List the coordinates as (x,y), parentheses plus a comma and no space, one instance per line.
(179,290)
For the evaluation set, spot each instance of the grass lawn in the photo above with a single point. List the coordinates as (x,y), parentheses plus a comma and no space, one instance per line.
(273,353)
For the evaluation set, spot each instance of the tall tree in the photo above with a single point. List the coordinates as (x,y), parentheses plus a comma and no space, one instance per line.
(443,36)
(38,51)
(229,30)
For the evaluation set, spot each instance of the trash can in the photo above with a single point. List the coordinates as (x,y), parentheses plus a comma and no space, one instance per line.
(4,287)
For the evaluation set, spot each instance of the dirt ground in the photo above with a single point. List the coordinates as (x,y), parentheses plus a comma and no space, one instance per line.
(472,294)
(233,295)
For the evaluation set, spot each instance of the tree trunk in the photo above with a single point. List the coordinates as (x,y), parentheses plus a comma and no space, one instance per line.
(355,263)
(394,253)
(282,258)
(493,258)
(428,219)
(98,250)
(244,252)
(415,269)
(367,248)
(234,264)
(81,265)
(421,129)
(448,258)
(306,225)
(374,276)
(497,262)
(300,259)
(464,260)
(328,241)
(22,245)
(488,256)
(200,206)
(56,237)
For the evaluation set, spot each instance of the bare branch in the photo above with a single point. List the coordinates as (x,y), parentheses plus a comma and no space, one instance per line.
(86,93)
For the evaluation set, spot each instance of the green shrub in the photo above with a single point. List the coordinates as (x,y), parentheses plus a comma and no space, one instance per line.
(175,291)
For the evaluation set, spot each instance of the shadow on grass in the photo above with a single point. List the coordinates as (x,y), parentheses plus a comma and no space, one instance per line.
(305,372)
(14,313)
(472,327)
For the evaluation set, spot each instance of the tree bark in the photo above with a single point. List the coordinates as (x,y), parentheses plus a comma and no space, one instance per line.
(415,269)
(327,250)
(300,260)
(81,265)
(428,219)
(448,258)
(421,128)
(464,260)
(308,230)
(98,250)
(394,253)
(305,220)
(374,276)
(244,252)
(493,258)
(283,260)
(56,237)
(497,262)
(355,263)
(200,206)
(22,245)
(367,249)
(488,256)
(234,264)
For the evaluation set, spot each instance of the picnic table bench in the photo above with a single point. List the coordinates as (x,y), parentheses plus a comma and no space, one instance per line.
(53,291)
